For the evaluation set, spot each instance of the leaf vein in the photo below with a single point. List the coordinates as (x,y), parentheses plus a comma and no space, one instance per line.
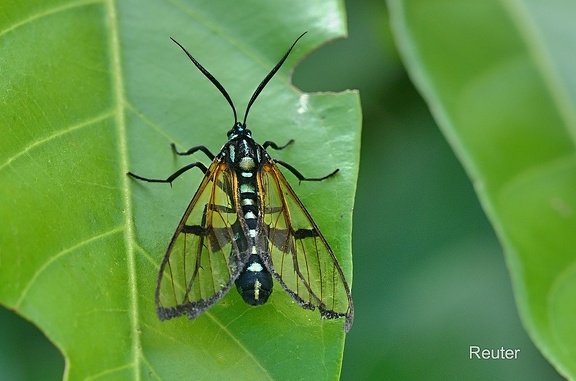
(129,237)
(46,13)
(59,255)
(108,372)
(53,136)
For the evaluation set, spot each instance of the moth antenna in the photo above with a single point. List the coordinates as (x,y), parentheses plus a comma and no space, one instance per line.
(211,78)
(268,78)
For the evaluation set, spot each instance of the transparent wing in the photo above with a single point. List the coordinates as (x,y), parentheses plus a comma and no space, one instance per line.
(202,260)
(301,259)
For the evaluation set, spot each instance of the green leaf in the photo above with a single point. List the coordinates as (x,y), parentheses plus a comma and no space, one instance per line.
(92,89)
(499,78)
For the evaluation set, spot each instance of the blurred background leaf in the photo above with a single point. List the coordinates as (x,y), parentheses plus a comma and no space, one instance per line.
(503,93)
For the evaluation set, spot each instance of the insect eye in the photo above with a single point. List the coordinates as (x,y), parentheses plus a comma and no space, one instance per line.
(238,130)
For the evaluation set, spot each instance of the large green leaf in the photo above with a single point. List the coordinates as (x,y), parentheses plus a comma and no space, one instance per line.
(499,78)
(92,89)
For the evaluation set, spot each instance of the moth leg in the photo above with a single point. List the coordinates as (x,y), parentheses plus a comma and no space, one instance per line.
(173,176)
(193,150)
(300,176)
(275,146)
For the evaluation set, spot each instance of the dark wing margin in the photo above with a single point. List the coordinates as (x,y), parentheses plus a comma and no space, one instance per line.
(202,260)
(300,258)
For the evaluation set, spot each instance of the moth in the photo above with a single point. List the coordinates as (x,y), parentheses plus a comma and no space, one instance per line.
(245,226)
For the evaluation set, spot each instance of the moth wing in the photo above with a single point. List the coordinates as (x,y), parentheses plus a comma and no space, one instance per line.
(203,259)
(301,258)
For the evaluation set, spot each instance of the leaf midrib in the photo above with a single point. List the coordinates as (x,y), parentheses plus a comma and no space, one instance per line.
(129,238)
